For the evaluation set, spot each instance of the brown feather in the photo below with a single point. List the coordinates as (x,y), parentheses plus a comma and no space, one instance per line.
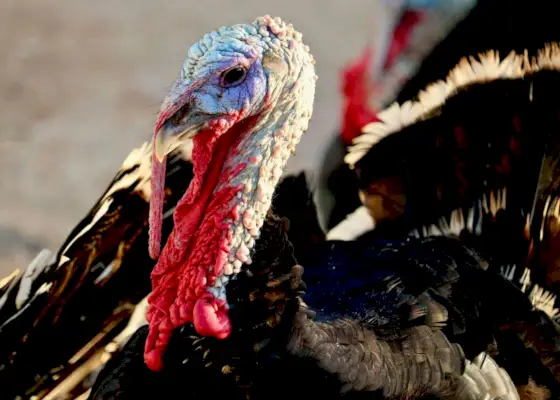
(420,363)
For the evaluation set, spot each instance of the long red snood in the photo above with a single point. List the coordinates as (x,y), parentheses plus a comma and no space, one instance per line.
(198,247)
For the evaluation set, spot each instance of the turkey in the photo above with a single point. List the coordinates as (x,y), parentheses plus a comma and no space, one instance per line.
(65,315)
(422,61)
(229,314)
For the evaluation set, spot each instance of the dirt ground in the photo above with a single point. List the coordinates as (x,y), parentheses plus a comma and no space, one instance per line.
(81,82)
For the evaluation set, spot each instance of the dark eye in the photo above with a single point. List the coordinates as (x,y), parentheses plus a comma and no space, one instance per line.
(233,76)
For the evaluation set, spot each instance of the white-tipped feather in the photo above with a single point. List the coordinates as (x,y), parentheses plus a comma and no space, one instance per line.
(468,71)
(4,282)
(508,272)
(107,270)
(44,259)
(137,180)
(544,300)
(459,220)
(9,283)
(354,225)
(485,380)
(137,320)
(525,280)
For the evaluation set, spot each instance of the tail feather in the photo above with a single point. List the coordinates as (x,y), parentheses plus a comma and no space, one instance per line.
(544,300)
(484,379)
(477,157)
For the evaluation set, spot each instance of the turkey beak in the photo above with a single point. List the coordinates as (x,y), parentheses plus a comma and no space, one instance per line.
(171,135)
(177,120)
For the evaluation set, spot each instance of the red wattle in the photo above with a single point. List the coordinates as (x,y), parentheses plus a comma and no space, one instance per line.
(156,206)
(154,359)
(193,257)
(210,318)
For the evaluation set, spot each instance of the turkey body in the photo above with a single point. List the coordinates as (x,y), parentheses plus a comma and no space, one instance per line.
(391,318)
(389,286)
(400,294)
(394,318)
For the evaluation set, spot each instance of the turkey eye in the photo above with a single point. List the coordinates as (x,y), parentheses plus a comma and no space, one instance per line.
(233,76)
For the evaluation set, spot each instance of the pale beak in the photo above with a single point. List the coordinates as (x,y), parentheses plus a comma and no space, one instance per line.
(178,119)
(171,136)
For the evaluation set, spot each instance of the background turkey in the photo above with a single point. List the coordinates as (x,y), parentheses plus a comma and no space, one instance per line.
(461,161)
(477,33)
(412,30)
(430,49)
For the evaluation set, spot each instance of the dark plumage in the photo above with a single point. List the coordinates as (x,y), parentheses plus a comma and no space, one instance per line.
(100,272)
(89,286)
(395,316)
(274,340)
(476,174)
(523,25)
(374,300)
(476,158)
(391,286)
(386,317)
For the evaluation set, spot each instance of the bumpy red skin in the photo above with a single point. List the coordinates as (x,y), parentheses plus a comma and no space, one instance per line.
(198,247)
